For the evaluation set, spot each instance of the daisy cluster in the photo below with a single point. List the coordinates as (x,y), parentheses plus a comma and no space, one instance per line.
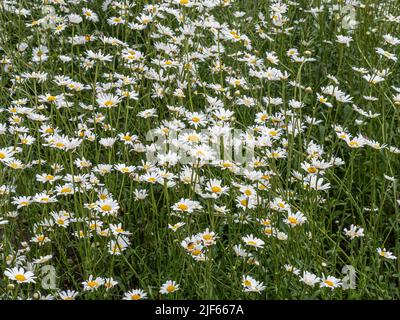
(312,90)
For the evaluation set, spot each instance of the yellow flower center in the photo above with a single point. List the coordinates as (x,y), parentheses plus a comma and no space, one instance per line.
(268,231)
(127,138)
(208,237)
(135,296)
(108,103)
(66,189)
(106,207)
(196,252)
(193,138)
(183,207)
(248,192)
(329,283)
(247,283)
(92,284)
(216,189)
(292,220)
(170,288)
(20,277)
(354,144)
(312,170)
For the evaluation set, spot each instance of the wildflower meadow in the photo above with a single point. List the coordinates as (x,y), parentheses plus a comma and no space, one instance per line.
(199,149)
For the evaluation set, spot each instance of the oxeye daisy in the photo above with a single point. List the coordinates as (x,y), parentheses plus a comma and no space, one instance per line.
(6,154)
(252,241)
(295,219)
(115,21)
(135,294)
(176,226)
(65,189)
(99,56)
(40,239)
(124,168)
(386,54)
(354,232)
(140,194)
(196,119)
(68,294)
(252,285)
(151,177)
(45,177)
(107,207)
(330,282)
(21,202)
(215,188)
(309,279)
(20,275)
(117,229)
(386,254)
(208,237)
(346,40)
(107,100)
(186,206)
(109,283)
(290,268)
(92,283)
(90,15)
(116,247)
(168,287)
